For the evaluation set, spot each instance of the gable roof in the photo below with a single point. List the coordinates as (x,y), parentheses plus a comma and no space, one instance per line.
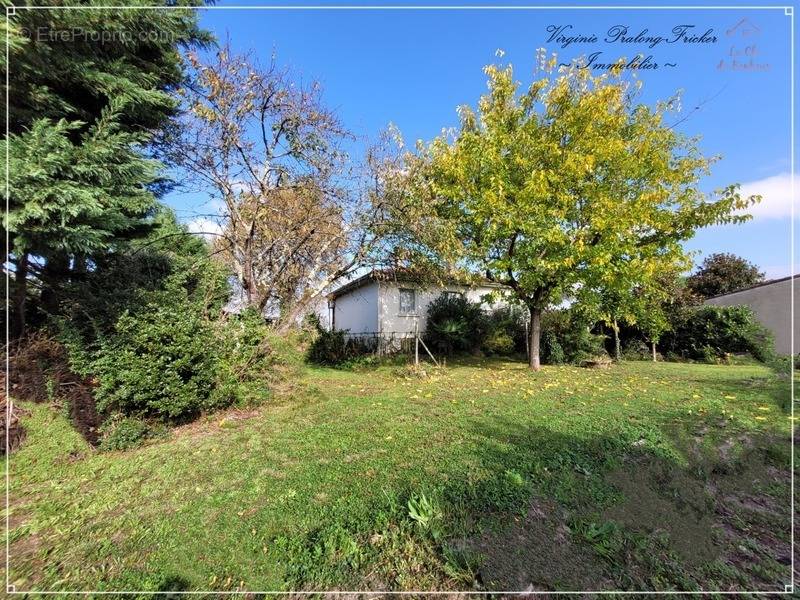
(404,276)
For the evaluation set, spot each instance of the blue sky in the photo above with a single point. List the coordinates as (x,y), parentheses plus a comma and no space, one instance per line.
(414,67)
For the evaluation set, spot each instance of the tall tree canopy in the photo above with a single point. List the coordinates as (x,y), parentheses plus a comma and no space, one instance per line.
(70,63)
(88,89)
(722,273)
(568,183)
(294,211)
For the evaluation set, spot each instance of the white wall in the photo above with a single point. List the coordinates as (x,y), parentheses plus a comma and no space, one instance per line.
(772,307)
(393,322)
(358,310)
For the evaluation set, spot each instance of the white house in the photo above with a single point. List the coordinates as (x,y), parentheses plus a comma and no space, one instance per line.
(389,305)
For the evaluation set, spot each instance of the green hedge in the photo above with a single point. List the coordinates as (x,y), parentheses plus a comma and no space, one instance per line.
(161,362)
(709,333)
(506,331)
(566,338)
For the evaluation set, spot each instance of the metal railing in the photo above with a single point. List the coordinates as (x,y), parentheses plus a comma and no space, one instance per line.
(387,344)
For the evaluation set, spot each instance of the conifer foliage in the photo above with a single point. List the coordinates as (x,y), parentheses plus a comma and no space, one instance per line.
(88,88)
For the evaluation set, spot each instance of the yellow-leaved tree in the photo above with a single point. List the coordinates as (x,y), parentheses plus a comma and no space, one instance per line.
(571,183)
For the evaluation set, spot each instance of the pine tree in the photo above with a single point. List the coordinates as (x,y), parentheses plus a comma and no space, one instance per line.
(88,89)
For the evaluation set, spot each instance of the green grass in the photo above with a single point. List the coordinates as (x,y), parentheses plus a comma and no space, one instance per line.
(646,476)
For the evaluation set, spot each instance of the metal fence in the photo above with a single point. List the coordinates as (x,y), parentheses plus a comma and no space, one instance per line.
(382,344)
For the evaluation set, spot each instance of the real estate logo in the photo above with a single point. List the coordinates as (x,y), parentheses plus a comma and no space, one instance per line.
(623,35)
(744,54)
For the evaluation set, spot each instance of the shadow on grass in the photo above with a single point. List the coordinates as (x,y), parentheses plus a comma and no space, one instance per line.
(565,512)
(525,507)
(777,390)
(542,510)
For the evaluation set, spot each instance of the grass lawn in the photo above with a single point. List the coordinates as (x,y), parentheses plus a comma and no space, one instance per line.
(641,476)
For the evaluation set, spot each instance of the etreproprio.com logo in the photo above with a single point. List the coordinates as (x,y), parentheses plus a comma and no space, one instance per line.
(98,36)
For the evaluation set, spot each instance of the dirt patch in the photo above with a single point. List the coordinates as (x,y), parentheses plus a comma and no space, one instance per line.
(535,553)
(212,423)
(39,372)
(662,498)
(756,523)
(10,423)
(731,507)
(25,546)
(83,411)
(27,549)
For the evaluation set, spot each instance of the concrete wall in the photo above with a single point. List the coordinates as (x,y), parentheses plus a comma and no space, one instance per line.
(772,305)
(358,310)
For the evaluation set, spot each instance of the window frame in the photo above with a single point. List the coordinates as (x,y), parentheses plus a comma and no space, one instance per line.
(413,310)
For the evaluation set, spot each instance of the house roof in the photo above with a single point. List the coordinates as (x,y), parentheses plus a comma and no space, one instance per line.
(757,285)
(404,276)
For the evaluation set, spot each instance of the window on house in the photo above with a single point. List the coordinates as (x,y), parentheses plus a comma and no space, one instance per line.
(452,295)
(408,301)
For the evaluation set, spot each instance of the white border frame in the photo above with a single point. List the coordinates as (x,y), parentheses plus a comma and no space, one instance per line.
(788,11)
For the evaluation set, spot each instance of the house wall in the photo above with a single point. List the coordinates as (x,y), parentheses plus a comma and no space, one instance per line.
(358,310)
(772,306)
(393,322)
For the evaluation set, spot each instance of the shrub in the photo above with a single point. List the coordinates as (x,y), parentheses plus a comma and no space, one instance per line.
(331,348)
(455,325)
(166,352)
(566,338)
(505,331)
(159,363)
(253,360)
(147,333)
(137,276)
(448,335)
(636,349)
(550,349)
(122,433)
(784,364)
(170,363)
(499,343)
(709,333)
(140,327)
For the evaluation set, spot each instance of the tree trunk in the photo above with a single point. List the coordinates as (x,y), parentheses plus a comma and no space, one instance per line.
(20,296)
(617,347)
(535,334)
(653,346)
(289,320)
(247,287)
(79,266)
(248,276)
(54,274)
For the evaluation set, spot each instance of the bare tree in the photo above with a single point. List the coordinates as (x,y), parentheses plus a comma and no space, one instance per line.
(297,215)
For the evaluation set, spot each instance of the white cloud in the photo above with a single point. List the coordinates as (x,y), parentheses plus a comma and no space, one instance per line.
(776,197)
(205,227)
